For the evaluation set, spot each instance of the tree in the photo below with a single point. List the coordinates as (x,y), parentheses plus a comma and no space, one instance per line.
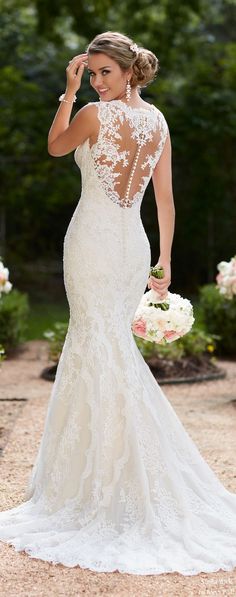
(195,42)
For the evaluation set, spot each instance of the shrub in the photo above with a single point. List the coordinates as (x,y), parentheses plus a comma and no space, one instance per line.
(218,315)
(14,310)
(56,338)
(2,354)
(196,342)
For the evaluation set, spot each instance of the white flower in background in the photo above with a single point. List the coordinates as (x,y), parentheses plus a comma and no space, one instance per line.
(5,285)
(2,353)
(226,279)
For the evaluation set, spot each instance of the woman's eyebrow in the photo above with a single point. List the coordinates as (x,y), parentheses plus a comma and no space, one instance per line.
(98,69)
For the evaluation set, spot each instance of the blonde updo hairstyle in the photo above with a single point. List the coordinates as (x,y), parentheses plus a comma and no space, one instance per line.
(117,46)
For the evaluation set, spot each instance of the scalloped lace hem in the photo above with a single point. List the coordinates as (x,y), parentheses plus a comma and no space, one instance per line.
(100,566)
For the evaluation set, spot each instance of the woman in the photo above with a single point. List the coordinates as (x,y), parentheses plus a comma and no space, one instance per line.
(118,484)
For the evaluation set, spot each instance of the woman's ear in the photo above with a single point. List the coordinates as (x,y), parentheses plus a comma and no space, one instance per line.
(129,72)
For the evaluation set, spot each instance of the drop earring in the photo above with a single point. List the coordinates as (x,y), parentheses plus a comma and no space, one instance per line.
(128,91)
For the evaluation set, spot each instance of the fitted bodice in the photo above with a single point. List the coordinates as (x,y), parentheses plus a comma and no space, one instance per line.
(128,146)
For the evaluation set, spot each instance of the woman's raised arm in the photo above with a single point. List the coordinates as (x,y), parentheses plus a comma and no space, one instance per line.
(64,136)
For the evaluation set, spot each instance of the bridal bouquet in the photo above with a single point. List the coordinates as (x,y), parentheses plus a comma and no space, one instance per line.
(162,320)
(226,279)
(5,285)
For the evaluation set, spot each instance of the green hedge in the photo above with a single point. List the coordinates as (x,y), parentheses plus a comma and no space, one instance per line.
(14,310)
(219,317)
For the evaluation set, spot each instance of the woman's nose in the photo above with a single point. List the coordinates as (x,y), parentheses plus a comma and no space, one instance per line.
(97,81)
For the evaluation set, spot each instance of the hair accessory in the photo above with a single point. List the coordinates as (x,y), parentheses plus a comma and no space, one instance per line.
(134,48)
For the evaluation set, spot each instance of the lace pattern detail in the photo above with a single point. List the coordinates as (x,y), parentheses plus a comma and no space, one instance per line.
(117,484)
(117,168)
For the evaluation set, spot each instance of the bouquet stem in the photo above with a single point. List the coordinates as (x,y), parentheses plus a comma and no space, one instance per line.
(158,272)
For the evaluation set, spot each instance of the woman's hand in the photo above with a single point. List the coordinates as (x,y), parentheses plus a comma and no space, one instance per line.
(74,72)
(160,285)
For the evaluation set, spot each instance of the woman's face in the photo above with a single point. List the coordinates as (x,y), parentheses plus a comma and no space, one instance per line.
(106,77)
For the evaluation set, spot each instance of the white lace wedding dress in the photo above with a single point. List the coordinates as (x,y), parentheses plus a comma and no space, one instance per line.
(118,484)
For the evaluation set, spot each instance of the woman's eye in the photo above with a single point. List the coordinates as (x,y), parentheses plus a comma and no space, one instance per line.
(104,72)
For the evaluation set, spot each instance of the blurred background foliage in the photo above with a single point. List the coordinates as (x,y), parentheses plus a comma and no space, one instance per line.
(196,90)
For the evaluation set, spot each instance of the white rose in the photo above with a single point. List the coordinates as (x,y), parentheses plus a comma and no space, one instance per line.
(7,287)
(223,267)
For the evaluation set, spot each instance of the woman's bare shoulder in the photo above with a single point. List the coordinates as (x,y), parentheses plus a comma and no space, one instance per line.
(88,109)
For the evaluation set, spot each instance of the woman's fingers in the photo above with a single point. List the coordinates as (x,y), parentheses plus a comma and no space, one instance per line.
(75,65)
(76,62)
(160,282)
(79,56)
(75,69)
(160,285)
(77,59)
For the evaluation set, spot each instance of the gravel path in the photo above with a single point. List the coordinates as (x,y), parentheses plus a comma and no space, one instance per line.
(208,411)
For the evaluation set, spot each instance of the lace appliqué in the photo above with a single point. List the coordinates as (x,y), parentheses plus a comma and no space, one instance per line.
(125,172)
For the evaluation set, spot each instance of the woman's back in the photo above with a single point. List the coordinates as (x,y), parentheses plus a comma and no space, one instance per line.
(128,145)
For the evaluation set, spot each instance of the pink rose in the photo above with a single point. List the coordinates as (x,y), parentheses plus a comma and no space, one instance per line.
(219,278)
(171,335)
(139,327)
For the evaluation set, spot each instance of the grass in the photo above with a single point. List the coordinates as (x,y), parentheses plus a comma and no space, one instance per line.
(43,315)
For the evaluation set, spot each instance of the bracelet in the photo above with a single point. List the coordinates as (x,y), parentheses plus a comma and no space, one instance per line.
(61,99)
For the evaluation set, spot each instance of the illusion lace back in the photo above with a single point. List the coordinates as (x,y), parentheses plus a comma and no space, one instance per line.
(129,144)
(118,484)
